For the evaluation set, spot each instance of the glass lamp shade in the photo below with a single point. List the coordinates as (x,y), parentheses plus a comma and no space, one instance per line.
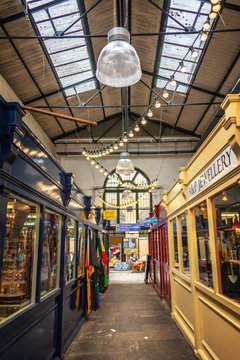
(118,64)
(127,195)
(125,165)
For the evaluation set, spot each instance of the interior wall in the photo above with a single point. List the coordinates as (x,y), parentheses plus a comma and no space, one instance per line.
(165,167)
(9,95)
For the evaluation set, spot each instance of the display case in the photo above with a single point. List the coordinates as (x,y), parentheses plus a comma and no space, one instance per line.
(18,257)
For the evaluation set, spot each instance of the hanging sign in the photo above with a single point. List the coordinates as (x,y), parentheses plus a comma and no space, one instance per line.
(109,215)
(224,163)
(128,227)
(148,222)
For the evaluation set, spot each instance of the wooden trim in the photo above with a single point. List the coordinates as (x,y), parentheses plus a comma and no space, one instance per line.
(185,318)
(61,116)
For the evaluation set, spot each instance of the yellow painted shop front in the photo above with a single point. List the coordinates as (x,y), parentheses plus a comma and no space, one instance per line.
(203,208)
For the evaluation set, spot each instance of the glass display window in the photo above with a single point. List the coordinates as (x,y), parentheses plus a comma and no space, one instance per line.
(19,261)
(176,260)
(203,244)
(70,250)
(227,226)
(81,249)
(50,252)
(184,244)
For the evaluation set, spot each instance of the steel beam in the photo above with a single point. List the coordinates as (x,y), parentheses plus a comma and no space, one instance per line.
(218,89)
(82,128)
(31,76)
(109,129)
(166,152)
(185,84)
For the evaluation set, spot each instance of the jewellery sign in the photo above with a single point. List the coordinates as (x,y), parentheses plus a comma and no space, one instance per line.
(224,163)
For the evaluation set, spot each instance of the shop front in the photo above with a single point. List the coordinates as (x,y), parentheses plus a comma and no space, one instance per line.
(42,246)
(203,208)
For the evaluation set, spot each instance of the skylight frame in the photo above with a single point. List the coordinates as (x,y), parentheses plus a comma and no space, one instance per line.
(52,20)
(185,12)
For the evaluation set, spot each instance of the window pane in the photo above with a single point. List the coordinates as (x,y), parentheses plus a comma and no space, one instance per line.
(204,251)
(81,249)
(184,236)
(175,243)
(70,250)
(50,256)
(18,257)
(227,210)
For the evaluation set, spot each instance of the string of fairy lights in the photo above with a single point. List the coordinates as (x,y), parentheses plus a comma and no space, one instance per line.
(151,185)
(126,204)
(203,33)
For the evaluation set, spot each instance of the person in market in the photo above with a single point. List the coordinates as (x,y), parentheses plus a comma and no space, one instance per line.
(136,264)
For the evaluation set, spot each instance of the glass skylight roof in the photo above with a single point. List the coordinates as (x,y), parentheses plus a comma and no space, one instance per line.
(70,57)
(175,47)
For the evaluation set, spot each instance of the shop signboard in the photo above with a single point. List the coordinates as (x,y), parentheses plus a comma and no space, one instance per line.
(128,227)
(223,163)
(109,215)
(129,243)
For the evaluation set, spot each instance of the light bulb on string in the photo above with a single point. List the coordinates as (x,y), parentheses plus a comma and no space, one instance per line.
(84,152)
(125,139)
(194,53)
(157,104)
(173,81)
(136,127)
(104,152)
(115,146)
(101,170)
(105,173)
(149,112)
(121,143)
(107,152)
(183,68)
(88,158)
(97,166)
(111,149)
(143,120)
(206,25)
(212,15)
(203,36)
(216,7)
(214,1)
(165,94)
(93,162)
(131,133)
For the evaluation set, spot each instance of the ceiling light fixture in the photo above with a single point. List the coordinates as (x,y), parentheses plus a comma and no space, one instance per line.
(118,64)
(224,198)
(125,165)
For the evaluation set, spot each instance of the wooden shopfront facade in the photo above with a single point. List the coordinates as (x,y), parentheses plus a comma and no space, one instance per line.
(203,208)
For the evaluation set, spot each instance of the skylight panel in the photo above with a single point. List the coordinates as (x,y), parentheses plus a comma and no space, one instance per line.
(70,57)
(178,45)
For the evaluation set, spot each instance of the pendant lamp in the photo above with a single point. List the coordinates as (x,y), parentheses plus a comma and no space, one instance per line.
(127,195)
(118,63)
(125,165)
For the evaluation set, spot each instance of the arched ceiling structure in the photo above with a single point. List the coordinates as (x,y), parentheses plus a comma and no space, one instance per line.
(49,50)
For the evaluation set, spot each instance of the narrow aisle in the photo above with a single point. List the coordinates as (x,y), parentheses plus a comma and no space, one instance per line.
(131,324)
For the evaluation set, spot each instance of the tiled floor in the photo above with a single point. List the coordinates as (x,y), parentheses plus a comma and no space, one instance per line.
(132,324)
